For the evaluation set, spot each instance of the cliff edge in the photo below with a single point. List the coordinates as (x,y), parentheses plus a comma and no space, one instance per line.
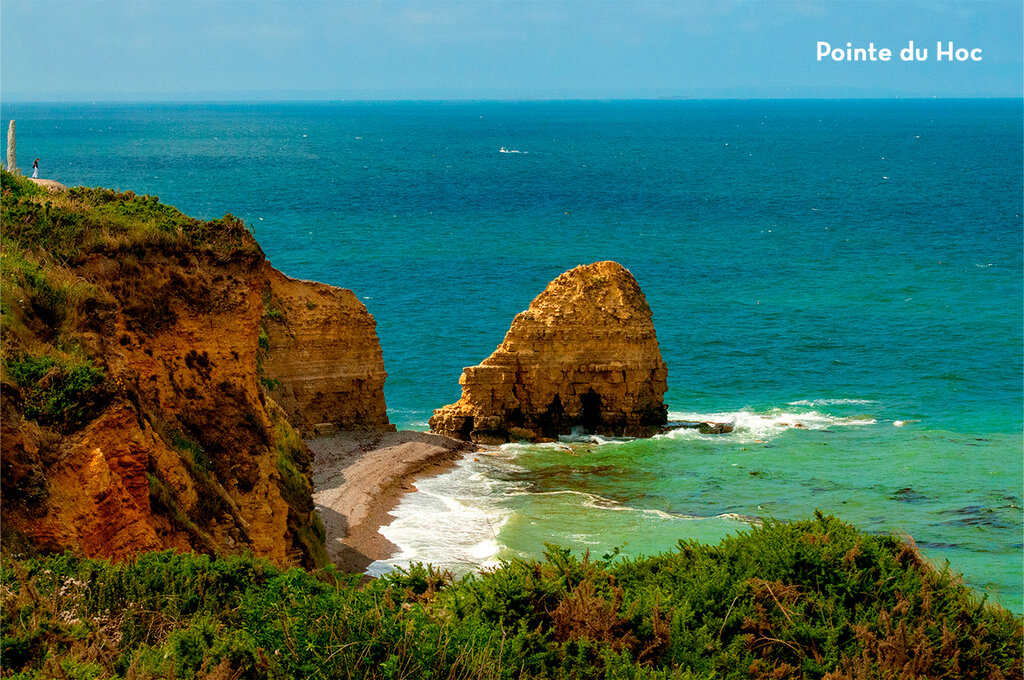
(584,354)
(140,381)
(324,360)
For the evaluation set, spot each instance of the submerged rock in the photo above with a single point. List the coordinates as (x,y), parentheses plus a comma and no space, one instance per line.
(584,354)
(703,426)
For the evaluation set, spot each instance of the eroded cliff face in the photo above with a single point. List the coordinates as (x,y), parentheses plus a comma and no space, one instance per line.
(584,354)
(324,361)
(179,442)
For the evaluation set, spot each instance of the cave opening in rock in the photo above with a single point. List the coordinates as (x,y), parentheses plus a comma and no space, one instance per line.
(590,411)
(551,420)
(466,431)
(515,418)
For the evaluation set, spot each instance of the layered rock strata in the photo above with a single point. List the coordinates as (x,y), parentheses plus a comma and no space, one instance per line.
(181,445)
(324,362)
(584,354)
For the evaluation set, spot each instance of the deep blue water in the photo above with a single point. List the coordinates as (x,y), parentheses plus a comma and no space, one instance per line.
(855,266)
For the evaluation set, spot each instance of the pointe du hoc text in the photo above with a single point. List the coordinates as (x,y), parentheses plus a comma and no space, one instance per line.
(944,51)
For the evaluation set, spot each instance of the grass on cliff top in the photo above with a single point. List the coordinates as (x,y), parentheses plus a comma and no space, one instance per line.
(68,224)
(810,599)
(44,302)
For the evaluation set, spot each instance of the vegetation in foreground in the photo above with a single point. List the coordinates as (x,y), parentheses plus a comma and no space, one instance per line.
(810,599)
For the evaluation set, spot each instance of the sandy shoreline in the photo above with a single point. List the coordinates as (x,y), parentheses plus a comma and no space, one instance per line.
(359,477)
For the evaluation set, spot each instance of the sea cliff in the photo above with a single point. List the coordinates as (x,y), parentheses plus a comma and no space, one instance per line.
(325,355)
(158,375)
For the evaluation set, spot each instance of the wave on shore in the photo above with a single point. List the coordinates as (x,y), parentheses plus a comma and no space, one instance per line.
(451,523)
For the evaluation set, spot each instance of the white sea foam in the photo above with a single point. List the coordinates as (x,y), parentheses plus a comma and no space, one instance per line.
(597,502)
(455,519)
(484,549)
(746,519)
(831,402)
(579,436)
(452,523)
(756,427)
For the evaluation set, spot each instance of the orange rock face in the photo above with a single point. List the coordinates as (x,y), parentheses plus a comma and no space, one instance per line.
(584,355)
(188,449)
(324,357)
(98,493)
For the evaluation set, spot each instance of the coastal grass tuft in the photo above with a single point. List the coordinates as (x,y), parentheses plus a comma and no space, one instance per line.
(39,299)
(200,459)
(73,222)
(163,499)
(808,599)
(270,310)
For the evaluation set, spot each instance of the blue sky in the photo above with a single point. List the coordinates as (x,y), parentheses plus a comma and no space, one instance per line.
(84,50)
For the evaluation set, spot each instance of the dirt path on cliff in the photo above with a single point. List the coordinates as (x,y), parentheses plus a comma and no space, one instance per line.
(359,477)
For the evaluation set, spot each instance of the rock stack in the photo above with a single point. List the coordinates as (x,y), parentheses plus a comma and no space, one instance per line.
(584,355)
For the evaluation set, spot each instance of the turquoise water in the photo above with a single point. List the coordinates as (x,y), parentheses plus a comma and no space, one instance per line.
(854,267)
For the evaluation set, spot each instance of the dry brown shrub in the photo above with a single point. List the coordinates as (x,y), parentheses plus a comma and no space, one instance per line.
(766,632)
(762,671)
(582,613)
(910,555)
(815,539)
(850,558)
(659,644)
(903,651)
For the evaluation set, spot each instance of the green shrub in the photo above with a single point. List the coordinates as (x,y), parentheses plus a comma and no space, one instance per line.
(297,491)
(45,225)
(162,498)
(64,392)
(270,311)
(804,600)
(15,187)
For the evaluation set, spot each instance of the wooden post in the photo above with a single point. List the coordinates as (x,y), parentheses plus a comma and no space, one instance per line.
(12,156)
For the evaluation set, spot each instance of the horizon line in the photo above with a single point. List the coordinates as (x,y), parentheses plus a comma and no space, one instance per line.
(470,100)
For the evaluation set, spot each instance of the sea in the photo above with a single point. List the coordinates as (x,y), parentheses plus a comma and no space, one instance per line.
(841,279)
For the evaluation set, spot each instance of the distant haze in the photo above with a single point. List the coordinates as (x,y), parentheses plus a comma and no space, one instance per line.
(87,50)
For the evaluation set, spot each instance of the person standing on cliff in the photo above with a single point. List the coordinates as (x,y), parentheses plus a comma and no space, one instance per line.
(35,169)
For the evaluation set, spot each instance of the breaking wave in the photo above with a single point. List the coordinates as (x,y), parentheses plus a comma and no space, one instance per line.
(761,426)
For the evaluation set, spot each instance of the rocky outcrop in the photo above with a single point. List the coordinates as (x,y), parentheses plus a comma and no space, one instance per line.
(167,433)
(48,184)
(184,450)
(324,362)
(584,355)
